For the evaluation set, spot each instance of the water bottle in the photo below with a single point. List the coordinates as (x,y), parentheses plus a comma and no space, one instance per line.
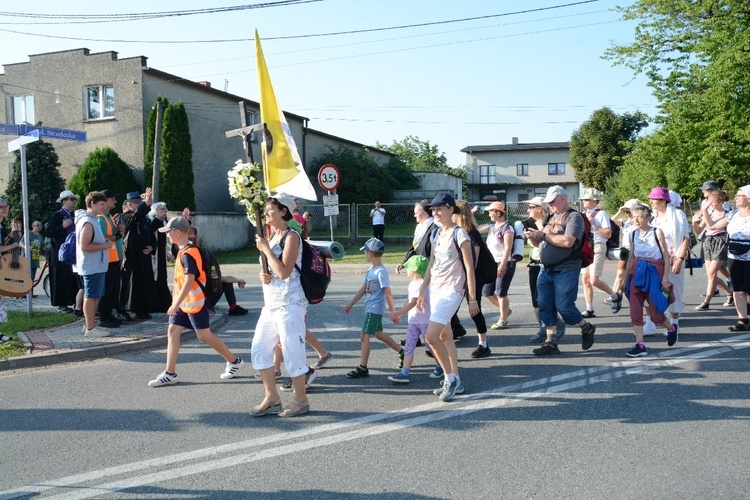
(214,274)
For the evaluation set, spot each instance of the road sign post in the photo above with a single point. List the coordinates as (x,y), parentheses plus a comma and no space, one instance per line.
(329,179)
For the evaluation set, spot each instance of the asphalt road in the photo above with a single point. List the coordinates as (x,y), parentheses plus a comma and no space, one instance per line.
(592,424)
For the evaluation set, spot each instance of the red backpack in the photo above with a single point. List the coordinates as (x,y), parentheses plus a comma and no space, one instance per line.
(587,243)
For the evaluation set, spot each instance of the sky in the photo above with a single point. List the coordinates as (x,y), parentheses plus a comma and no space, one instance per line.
(452,73)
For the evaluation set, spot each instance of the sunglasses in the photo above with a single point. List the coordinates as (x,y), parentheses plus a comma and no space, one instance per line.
(531,207)
(4,207)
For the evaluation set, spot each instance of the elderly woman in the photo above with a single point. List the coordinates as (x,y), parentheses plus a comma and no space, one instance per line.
(162,297)
(282,318)
(712,219)
(738,251)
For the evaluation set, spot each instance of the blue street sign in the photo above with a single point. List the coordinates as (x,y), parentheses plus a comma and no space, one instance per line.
(9,129)
(55,133)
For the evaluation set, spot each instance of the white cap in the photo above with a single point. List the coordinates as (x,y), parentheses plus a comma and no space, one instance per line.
(286,200)
(553,193)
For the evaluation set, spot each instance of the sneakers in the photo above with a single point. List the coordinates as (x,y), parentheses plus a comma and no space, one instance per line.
(587,336)
(729,302)
(448,391)
(546,349)
(437,372)
(672,335)
(617,304)
(163,379)
(309,378)
(459,390)
(95,332)
(321,362)
(232,368)
(401,358)
(399,378)
(649,328)
(589,314)
(237,311)
(358,372)
(500,325)
(539,336)
(637,351)
(702,307)
(607,301)
(481,352)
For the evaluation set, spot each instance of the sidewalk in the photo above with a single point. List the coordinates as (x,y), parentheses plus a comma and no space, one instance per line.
(67,343)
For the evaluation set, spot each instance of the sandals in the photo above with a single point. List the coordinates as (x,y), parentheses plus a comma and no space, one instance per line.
(266,409)
(295,408)
(358,372)
(617,304)
(740,327)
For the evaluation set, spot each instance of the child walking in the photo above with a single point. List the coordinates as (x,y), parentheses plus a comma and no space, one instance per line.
(377,291)
(416,267)
(189,308)
(648,279)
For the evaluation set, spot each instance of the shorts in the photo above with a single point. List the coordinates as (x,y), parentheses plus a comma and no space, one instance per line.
(739,271)
(198,321)
(600,255)
(444,304)
(373,324)
(714,247)
(93,285)
(502,283)
(285,325)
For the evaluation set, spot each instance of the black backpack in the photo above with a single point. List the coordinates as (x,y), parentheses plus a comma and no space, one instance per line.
(211,272)
(315,274)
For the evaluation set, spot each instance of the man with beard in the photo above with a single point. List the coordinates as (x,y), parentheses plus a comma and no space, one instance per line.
(138,242)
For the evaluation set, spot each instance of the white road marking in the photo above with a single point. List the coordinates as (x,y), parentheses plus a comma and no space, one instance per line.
(355,429)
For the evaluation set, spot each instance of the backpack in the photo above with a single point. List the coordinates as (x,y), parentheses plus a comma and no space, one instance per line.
(67,251)
(315,274)
(614,238)
(518,240)
(211,271)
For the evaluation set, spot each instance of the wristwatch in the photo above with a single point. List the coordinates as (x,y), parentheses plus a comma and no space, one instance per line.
(544,236)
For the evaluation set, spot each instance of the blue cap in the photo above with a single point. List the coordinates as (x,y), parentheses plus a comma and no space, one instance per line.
(374,245)
(442,199)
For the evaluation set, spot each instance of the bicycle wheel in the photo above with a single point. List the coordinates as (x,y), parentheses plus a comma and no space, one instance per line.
(45,284)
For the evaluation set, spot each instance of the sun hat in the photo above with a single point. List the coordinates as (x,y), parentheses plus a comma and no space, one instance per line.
(285,200)
(632,204)
(590,194)
(133,196)
(177,223)
(417,264)
(67,194)
(745,190)
(496,205)
(536,200)
(659,193)
(710,186)
(553,192)
(442,199)
(374,245)
(674,198)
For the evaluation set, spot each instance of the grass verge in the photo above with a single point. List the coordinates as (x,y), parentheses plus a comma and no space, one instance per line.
(19,321)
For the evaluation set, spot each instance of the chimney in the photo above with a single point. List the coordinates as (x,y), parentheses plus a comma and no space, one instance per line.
(205,84)
(515,139)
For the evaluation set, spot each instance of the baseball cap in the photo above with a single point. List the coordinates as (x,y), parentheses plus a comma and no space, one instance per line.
(286,200)
(177,223)
(496,205)
(374,245)
(536,200)
(442,199)
(417,264)
(553,192)
(710,186)
(109,194)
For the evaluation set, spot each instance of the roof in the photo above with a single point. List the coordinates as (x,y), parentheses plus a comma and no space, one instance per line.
(517,147)
(347,141)
(210,90)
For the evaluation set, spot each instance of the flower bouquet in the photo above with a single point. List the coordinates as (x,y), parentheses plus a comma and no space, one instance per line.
(247,189)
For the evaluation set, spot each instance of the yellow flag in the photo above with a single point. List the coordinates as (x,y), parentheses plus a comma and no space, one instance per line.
(282,168)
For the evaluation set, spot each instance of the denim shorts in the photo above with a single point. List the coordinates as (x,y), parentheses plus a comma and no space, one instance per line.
(93,285)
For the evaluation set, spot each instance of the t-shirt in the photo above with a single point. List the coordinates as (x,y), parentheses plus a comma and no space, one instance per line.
(36,242)
(738,229)
(376,279)
(601,220)
(496,239)
(378,217)
(569,223)
(448,268)
(628,226)
(417,317)
(190,265)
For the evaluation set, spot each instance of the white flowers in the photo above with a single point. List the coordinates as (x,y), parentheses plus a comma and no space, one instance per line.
(245,187)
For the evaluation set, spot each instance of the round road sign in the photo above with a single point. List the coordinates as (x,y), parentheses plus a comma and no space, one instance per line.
(328,177)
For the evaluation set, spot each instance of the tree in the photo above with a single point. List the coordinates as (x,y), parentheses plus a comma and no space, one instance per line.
(176,185)
(419,156)
(43,181)
(148,151)
(362,178)
(598,148)
(696,58)
(103,169)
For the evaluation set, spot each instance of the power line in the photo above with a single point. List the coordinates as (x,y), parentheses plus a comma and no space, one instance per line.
(235,40)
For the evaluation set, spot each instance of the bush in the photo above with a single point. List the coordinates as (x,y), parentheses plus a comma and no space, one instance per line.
(103,169)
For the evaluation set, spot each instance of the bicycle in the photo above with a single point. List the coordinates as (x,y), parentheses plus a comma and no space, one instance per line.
(45,281)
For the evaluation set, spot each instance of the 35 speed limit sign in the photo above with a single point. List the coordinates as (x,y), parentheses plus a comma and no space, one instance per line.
(328,177)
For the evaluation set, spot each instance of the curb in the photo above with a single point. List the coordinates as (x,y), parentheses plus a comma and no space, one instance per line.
(99,351)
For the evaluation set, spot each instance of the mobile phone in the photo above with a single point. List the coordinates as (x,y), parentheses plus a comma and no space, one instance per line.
(529,223)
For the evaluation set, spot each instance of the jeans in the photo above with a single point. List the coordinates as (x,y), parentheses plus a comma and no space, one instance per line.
(557,292)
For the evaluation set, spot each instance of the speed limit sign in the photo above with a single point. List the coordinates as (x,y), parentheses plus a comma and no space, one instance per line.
(328,177)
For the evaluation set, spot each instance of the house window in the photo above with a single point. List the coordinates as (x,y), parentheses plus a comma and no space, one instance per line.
(556,168)
(22,109)
(100,102)
(522,169)
(486,174)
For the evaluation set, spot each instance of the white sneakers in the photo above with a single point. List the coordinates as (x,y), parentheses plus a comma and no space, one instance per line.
(163,379)
(231,369)
(95,332)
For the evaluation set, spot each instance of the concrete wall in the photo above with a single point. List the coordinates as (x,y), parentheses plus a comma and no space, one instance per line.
(223,230)
(69,73)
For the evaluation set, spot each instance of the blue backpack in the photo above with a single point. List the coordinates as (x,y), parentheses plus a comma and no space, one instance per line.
(67,252)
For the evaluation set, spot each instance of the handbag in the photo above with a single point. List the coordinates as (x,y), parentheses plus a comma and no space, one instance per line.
(694,262)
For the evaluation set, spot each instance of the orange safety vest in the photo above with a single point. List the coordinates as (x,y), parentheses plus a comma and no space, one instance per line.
(195,299)
(111,230)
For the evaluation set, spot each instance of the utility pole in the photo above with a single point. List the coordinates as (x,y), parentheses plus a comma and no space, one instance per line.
(155,175)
